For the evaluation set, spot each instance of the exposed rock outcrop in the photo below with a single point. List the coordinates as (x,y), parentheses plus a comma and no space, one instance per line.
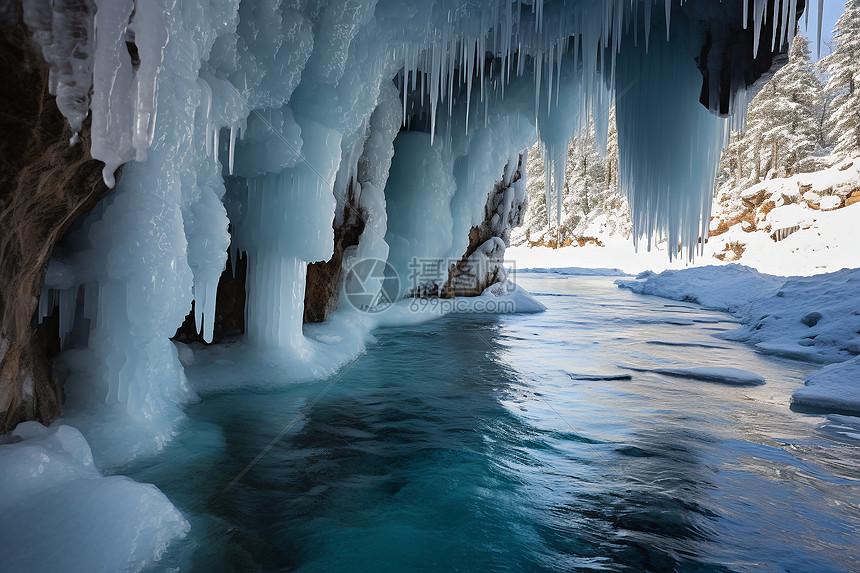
(323,279)
(482,265)
(45,184)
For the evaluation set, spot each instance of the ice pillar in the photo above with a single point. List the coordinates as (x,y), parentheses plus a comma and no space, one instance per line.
(288,225)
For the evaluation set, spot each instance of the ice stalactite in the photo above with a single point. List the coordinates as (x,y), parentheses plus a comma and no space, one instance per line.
(669,185)
(160,239)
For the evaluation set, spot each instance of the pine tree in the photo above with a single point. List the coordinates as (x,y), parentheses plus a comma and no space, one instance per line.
(782,134)
(585,185)
(843,68)
(783,117)
(536,223)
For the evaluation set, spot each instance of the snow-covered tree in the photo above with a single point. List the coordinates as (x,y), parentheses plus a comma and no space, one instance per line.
(783,131)
(585,185)
(782,123)
(590,191)
(843,69)
(536,223)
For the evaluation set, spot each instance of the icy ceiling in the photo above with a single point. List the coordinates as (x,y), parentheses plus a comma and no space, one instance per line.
(271,115)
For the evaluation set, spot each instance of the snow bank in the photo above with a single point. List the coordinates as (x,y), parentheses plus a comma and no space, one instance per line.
(808,318)
(616,252)
(730,288)
(579,272)
(834,387)
(815,319)
(60,514)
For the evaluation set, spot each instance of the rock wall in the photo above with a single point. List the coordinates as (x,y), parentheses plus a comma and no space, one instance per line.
(45,184)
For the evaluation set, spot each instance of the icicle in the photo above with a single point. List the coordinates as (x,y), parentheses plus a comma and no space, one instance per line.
(792,18)
(820,23)
(758,14)
(405,77)
(538,65)
(232,149)
(470,67)
(784,24)
(549,81)
(774,22)
(647,23)
(668,4)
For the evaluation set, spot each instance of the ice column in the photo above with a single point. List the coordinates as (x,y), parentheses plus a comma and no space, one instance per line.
(288,224)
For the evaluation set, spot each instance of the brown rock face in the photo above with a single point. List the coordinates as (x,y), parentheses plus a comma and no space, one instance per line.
(45,184)
(464,279)
(321,291)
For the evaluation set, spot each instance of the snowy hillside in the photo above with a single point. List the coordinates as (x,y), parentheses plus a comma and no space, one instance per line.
(799,225)
(803,224)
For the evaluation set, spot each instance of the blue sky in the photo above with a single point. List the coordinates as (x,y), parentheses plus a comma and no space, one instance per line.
(832,10)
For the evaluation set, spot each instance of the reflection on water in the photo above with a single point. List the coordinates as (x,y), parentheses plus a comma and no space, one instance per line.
(492,444)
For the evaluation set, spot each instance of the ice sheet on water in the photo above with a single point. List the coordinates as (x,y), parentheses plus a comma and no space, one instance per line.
(834,387)
(722,374)
(599,377)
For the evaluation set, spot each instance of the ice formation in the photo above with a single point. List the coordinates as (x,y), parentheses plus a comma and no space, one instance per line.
(275,117)
(61,514)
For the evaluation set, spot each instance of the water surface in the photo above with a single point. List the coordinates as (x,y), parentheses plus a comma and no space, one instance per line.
(468,443)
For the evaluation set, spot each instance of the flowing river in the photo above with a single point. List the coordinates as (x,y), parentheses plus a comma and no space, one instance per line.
(521,443)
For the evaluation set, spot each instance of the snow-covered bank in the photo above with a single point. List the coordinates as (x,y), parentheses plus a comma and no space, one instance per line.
(815,319)
(61,514)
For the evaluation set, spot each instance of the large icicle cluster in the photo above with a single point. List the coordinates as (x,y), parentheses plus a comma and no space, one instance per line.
(270,115)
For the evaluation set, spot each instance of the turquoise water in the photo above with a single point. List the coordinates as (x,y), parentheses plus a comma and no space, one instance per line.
(468,444)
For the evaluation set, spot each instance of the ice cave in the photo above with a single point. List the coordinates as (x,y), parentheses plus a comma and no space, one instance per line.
(215,214)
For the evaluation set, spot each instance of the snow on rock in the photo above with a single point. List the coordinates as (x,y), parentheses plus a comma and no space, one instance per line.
(829,202)
(804,224)
(508,298)
(723,374)
(834,387)
(60,514)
